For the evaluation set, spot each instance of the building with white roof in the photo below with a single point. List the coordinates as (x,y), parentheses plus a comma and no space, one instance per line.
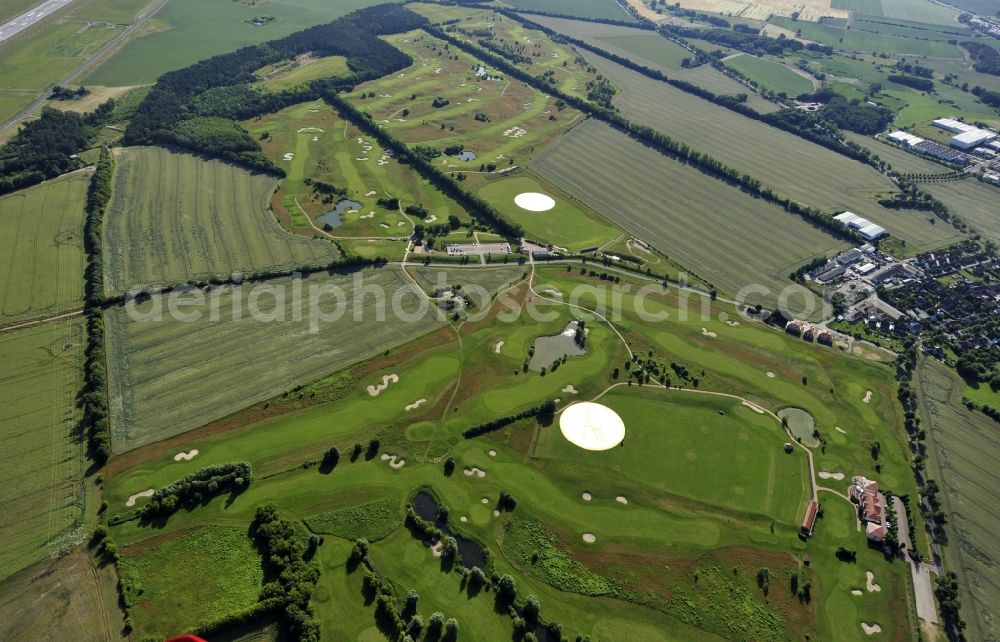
(952,125)
(904,138)
(972,138)
(868,230)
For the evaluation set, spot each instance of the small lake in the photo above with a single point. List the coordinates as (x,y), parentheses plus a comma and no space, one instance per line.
(802,425)
(471,553)
(549,349)
(335,217)
(466,155)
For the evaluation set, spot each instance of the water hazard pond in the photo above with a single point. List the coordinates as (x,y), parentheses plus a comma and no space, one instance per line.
(802,425)
(552,348)
(335,217)
(470,552)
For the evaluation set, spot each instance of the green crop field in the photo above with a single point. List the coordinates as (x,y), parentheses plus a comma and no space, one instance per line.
(787,163)
(41,242)
(965,450)
(771,75)
(193,579)
(649,48)
(187,31)
(694,219)
(160,368)
(607,9)
(867,7)
(175,217)
(43,463)
(919,11)
(866,41)
(568,224)
(311,142)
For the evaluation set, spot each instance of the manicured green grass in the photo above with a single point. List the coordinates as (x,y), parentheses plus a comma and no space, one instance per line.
(771,75)
(192,30)
(607,9)
(41,242)
(964,448)
(196,578)
(43,462)
(171,373)
(783,161)
(567,224)
(311,142)
(174,217)
(693,218)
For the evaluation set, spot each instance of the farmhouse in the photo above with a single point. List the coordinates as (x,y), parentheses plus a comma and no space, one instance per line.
(868,230)
(825,337)
(794,327)
(871,507)
(809,521)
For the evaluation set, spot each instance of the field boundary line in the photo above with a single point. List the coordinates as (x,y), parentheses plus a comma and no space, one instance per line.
(27,324)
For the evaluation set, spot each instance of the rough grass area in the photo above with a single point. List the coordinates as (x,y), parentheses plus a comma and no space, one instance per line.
(771,75)
(371,521)
(168,375)
(175,217)
(291,74)
(965,449)
(41,486)
(192,579)
(491,279)
(41,245)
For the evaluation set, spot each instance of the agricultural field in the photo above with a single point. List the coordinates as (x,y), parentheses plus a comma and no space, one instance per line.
(867,41)
(160,362)
(783,161)
(43,489)
(186,31)
(697,528)
(570,224)
(221,573)
(923,11)
(41,242)
(175,217)
(771,75)
(311,142)
(604,9)
(72,597)
(501,121)
(692,218)
(964,452)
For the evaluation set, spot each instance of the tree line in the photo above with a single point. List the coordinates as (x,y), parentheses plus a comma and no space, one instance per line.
(546,409)
(198,487)
(194,107)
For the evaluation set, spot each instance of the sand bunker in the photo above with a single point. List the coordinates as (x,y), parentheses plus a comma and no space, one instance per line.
(289,156)
(754,407)
(431,219)
(587,497)
(870,583)
(492,453)
(592,426)
(589,538)
(437,548)
(486,500)
(621,500)
(394,462)
(386,380)
(371,193)
(733,323)
(534,202)
(303,130)
(385,225)
(570,389)
(770,375)
(133,498)
(840,430)
(823,474)
(496,348)
(871,629)
(463,519)
(868,397)
(857,592)
(705,332)
(188,456)
(478,472)
(416,404)
(496,513)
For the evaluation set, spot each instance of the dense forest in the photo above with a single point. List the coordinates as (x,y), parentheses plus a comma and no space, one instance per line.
(987,58)
(194,107)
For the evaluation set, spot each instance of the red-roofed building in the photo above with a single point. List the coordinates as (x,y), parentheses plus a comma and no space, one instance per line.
(809,521)
(871,507)
(793,327)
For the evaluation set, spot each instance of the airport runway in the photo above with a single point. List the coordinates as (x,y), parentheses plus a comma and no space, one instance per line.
(25,20)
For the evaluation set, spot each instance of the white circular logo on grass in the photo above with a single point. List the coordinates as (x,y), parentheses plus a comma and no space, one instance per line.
(534,202)
(592,426)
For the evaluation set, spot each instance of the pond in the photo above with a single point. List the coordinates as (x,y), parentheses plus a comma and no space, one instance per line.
(802,425)
(551,348)
(334,217)
(466,155)
(469,550)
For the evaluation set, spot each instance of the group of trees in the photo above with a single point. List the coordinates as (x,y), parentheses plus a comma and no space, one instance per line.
(94,398)
(987,58)
(548,408)
(914,82)
(289,578)
(198,487)
(194,107)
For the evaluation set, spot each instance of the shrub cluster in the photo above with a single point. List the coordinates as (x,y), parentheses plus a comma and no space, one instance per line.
(546,408)
(198,487)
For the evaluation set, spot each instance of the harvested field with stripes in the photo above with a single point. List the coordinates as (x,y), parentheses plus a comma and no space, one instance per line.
(175,217)
(168,376)
(696,220)
(41,249)
(41,486)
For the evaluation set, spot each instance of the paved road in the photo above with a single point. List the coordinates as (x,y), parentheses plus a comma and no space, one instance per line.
(25,20)
(923,587)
